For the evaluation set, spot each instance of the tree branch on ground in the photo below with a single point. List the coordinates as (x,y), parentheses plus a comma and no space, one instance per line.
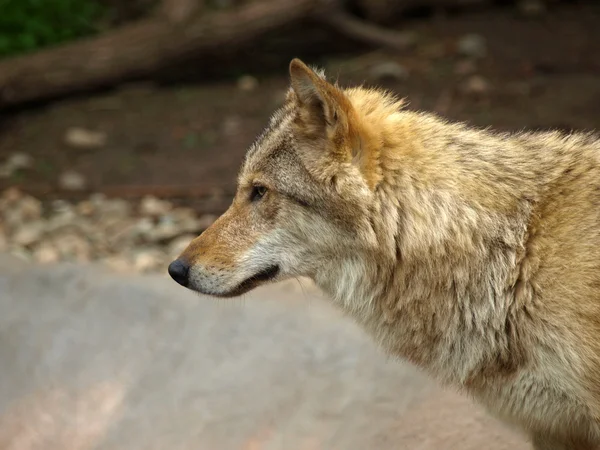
(361,30)
(139,48)
(178,11)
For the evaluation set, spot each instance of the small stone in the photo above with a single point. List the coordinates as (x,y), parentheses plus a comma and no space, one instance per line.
(114,208)
(14,163)
(147,260)
(531,8)
(84,139)
(472,46)
(11,195)
(247,83)
(179,244)
(30,208)
(97,199)
(71,246)
(19,161)
(206,221)
(28,234)
(12,218)
(61,207)
(154,207)
(476,85)
(85,208)
(389,70)
(72,181)
(46,253)
(144,226)
(165,230)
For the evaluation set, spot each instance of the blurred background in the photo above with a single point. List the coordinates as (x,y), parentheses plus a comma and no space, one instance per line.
(122,128)
(150,100)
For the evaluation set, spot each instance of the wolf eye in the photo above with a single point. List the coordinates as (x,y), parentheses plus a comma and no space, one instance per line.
(257,193)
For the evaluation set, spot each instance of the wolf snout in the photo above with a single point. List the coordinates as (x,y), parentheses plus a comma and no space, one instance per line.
(179,271)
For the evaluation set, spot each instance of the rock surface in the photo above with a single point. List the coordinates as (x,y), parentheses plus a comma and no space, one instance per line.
(94,360)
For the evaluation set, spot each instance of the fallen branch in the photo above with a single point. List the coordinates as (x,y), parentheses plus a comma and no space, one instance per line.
(139,48)
(178,11)
(363,31)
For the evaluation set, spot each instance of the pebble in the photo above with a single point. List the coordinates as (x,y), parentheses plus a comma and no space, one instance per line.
(475,85)
(11,195)
(72,181)
(247,83)
(472,45)
(71,246)
(15,162)
(179,244)
(152,206)
(29,208)
(46,253)
(146,260)
(389,70)
(84,139)
(28,233)
(206,221)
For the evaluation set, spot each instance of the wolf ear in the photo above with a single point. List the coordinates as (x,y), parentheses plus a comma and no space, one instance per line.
(321,100)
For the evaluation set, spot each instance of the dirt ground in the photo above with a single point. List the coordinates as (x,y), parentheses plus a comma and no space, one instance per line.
(186,140)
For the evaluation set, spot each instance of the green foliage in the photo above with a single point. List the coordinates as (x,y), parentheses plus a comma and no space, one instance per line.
(27,25)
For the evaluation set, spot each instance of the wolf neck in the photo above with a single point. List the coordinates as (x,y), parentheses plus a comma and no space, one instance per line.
(453,225)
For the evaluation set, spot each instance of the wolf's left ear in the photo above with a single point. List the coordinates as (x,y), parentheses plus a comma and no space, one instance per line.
(323,106)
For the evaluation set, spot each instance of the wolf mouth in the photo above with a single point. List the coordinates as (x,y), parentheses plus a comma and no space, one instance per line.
(267,274)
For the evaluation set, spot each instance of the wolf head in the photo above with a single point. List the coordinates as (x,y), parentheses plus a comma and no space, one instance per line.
(305,195)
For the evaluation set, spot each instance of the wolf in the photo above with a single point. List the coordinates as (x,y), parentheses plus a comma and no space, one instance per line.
(473,254)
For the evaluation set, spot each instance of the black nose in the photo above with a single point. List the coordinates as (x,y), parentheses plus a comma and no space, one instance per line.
(179,271)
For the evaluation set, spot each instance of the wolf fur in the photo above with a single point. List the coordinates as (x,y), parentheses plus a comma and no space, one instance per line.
(473,254)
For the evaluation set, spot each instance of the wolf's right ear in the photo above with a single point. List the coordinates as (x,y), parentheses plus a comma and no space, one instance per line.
(324,103)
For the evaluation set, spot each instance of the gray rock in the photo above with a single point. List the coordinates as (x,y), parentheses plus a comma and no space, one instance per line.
(389,70)
(179,244)
(247,83)
(148,260)
(114,208)
(93,360)
(73,247)
(10,196)
(81,138)
(472,45)
(72,181)
(46,253)
(15,162)
(475,85)
(154,207)
(28,233)
(206,221)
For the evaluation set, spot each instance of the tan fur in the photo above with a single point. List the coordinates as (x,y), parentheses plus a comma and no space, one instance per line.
(473,254)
